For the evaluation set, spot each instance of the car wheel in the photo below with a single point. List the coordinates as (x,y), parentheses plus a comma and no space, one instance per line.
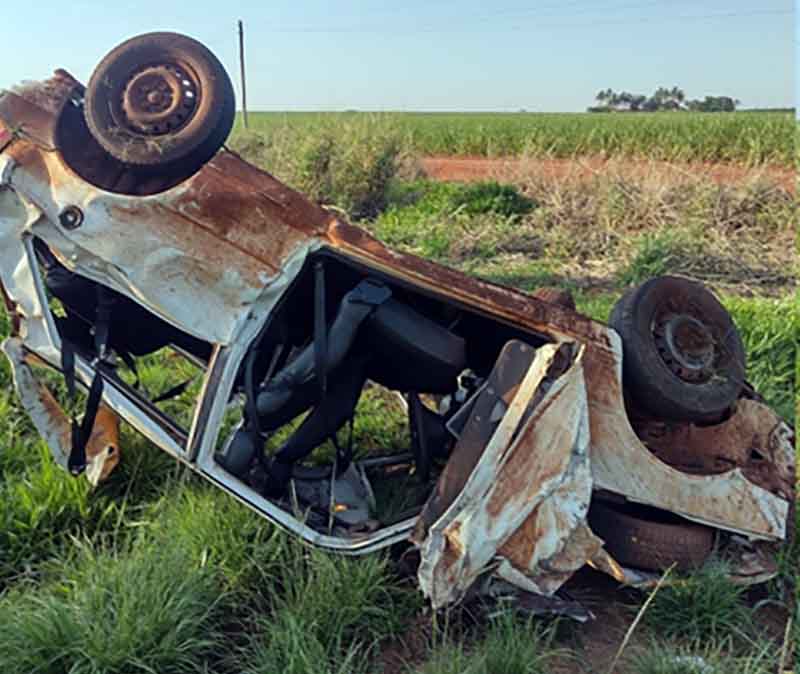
(648,538)
(160,100)
(683,358)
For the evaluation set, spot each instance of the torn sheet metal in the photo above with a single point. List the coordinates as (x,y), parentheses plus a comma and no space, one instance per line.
(102,449)
(623,465)
(193,246)
(31,109)
(526,500)
(754,439)
(50,421)
(5,137)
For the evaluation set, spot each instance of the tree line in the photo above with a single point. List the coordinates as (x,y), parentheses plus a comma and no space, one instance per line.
(663,98)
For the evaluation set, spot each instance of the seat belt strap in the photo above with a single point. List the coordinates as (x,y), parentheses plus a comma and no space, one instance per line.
(82,431)
(320,330)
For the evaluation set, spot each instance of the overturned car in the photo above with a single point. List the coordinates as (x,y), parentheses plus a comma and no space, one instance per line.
(540,440)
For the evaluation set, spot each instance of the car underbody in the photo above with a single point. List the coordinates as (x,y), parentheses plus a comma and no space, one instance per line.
(521,420)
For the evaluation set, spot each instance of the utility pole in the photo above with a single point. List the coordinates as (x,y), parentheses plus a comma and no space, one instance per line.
(241,69)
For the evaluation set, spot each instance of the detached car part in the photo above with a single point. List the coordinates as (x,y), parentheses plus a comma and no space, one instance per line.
(541,440)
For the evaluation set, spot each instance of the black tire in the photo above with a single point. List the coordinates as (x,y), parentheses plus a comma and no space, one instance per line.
(683,358)
(650,539)
(162,101)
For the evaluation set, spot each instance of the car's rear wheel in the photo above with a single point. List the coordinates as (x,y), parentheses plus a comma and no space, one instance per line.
(161,101)
(650,539)
(683,358)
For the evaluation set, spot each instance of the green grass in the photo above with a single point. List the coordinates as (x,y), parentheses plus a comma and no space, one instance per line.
(214,530)
(702,658)
(752,137)
(700,608)
(443,221)
(328,614)
(40,508)
(349,165)
(143,609)
(770,330)
(509,645)
(656,254)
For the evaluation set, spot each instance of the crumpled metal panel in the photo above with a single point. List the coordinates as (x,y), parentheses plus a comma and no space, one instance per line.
(102,449)
(5,137)
(31,109)
(491,401)
(754,439)
(729,500)
(526,500)
(50,421)
(207,247)
(21,288)
(53,424)
(621,464)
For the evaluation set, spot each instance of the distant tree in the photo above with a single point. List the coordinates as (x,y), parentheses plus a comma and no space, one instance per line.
(715,104)
(637,102)
(659,96)
(663,98)
(678,94)
(606,99)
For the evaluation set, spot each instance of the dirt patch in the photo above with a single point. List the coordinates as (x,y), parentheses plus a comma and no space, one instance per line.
(472,169)
(410,649)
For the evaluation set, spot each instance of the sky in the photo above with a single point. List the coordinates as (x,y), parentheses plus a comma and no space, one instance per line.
(540,55)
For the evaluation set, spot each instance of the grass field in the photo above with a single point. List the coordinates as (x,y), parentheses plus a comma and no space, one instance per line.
(750,137)
(155,571)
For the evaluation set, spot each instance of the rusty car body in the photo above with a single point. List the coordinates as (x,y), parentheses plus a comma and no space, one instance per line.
(234,259)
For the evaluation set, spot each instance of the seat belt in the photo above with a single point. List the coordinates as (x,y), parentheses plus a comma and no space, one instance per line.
(82,430)
(344,455)
(320,331)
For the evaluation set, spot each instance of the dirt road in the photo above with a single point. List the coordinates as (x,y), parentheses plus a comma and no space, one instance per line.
(470,169)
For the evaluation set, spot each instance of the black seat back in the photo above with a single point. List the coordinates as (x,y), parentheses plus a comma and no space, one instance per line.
(410,352)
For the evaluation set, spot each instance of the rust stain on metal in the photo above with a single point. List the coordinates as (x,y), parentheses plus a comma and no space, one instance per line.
(527,497)
(103,449)
(545,467)
(28,155)
(49,419)
(281,203)
(512,364)
(516,307)
(55,417)
(5,137)
(754,439)
(32,108)
(248,209)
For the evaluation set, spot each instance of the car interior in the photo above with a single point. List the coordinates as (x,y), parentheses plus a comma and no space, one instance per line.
(338,329)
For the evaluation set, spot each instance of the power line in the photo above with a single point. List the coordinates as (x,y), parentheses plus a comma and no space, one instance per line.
(516,28)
